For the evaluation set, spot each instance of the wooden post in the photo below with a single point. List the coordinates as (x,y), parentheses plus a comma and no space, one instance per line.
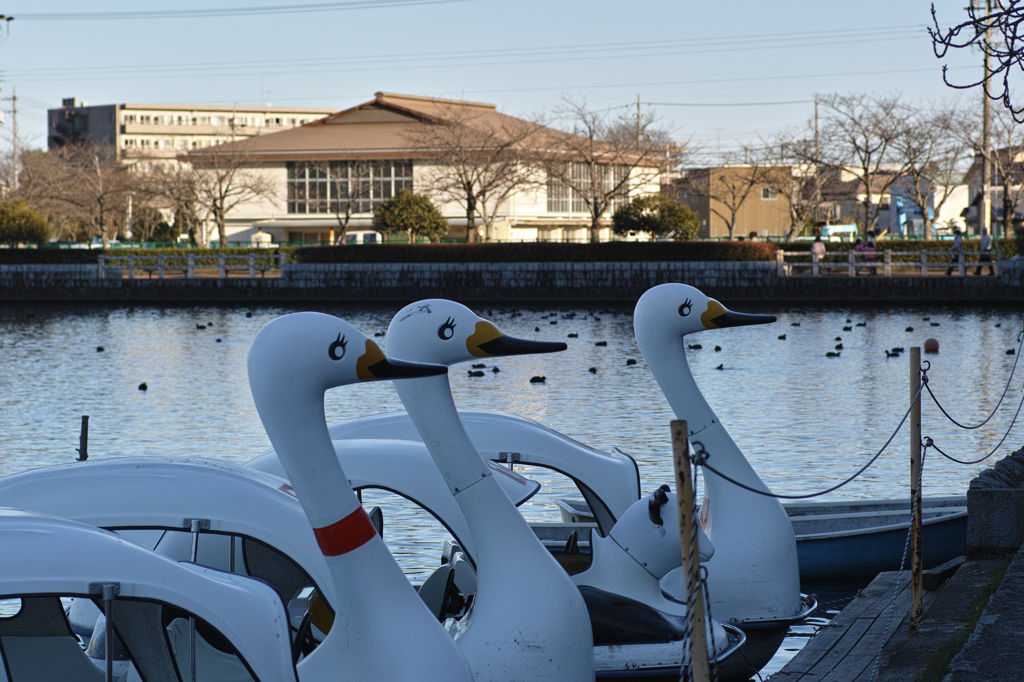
(888,263)
(83,439)
(915,490)
(191,266)
(160,266)
(924,263)
(960,264)
(815,267)
(131,267)
(252,266)
(780,263)
(284,261)
(221,270)
(850,257)
(102,262)
(700,667)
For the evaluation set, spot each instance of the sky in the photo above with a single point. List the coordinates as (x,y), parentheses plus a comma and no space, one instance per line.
(717,74)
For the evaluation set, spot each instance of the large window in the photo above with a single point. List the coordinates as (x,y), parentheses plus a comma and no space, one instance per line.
(562,198)
(329,186)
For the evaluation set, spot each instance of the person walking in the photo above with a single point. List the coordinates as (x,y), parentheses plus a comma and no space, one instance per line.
(817,251)
(955,251)
(986,253)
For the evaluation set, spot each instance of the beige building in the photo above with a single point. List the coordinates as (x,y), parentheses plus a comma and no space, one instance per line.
(748,197)
(167,130)
(370,152)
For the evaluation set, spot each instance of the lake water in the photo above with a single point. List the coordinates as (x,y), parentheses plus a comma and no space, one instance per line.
(804,420)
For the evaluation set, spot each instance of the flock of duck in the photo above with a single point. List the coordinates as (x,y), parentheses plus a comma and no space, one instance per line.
(199,569)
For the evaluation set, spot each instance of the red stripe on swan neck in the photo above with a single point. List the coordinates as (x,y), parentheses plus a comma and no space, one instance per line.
(352,532)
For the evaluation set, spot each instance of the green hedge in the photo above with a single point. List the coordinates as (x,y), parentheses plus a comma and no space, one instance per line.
(537,252)
(47,256)
(837,251)
(143,257)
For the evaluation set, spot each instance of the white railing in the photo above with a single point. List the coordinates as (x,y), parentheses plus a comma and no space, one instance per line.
(880,262)
(252,263)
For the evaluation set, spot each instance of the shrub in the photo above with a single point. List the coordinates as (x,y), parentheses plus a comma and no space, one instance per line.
(21,224)
(657,215)
(48,256)
(412,213)
(538,252)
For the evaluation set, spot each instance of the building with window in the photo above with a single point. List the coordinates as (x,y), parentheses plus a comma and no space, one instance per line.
(754,199)
(342,166)
(164,131)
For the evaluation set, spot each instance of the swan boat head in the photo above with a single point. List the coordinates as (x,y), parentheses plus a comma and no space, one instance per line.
(448,333)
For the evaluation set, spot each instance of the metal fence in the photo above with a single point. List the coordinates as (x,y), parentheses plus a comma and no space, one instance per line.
(193,266)
(880,263)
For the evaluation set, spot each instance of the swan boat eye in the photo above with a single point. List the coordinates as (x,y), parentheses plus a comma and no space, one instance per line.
(446,330)
(340,342)
(685,308)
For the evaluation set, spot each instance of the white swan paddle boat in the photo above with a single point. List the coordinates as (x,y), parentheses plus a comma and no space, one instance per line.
(638,631)
(381,629)
(755,581)
(172,618)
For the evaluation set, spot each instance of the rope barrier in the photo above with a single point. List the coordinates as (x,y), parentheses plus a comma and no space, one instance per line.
(1020,347)
(700,458)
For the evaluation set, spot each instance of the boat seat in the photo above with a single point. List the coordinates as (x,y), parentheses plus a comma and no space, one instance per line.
(616,619)
(269,565)
(37,645)
(212,664)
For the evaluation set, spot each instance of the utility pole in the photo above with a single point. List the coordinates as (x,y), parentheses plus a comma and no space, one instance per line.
(985,209)
(638,120)
(817,152)
(13,99)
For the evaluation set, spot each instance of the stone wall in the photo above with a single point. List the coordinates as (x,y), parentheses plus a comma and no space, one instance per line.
(524,281)
(730,282)
(995,509)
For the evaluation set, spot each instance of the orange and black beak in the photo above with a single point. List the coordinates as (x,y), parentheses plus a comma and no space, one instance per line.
(718,317)
(488,341)
(373,365)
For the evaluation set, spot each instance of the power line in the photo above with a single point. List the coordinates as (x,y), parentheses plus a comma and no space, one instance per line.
(226,11)
(726,104)
(363,64)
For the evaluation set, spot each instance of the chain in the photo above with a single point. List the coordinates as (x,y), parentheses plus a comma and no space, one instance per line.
(1020,347)
(700,458)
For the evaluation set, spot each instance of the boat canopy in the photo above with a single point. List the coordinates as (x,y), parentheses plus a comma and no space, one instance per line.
(46,557)
(166,493)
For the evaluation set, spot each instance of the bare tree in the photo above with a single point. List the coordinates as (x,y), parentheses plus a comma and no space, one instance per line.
(603,158)
(797,184)
(856,148)
(224,177)
(1005,156)
(728,186)
(349,189)
(481,160)
(85,182)
(993,29)
(935,155)
(1007,160)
